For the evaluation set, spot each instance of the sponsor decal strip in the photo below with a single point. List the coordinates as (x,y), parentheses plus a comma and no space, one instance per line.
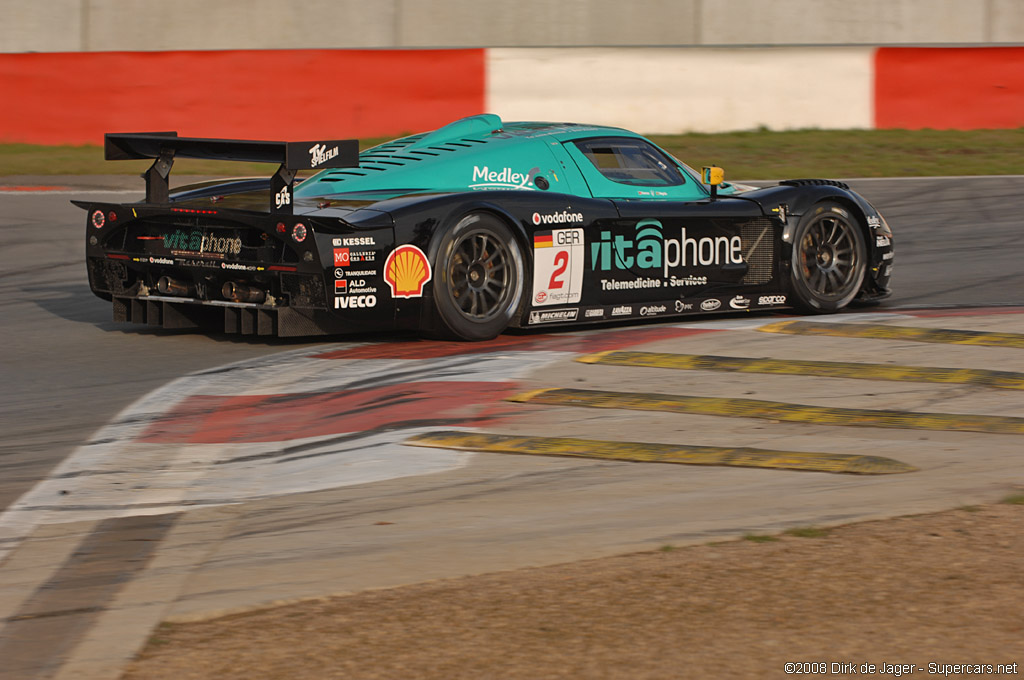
(660,453)
(831,369)
(883,332)
(775,410)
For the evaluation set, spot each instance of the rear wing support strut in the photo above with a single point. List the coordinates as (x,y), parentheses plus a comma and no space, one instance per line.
(164,147)
(157,178)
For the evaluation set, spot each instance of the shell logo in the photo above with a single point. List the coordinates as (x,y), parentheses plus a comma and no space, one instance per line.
(406,270)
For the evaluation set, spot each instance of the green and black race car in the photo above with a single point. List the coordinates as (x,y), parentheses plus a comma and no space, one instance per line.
(468,230)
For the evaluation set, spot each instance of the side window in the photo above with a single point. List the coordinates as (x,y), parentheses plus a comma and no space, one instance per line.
(630,161)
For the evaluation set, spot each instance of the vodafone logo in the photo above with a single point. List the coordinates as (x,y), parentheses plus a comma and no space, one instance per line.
(564,217)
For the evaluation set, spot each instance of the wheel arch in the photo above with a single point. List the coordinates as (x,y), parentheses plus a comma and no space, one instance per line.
(458,214)
(842,198)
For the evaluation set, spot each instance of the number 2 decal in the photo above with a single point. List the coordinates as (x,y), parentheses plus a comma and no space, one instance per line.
(558,258)
(561,263)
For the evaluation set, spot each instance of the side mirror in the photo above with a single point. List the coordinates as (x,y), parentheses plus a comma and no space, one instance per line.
(712,176)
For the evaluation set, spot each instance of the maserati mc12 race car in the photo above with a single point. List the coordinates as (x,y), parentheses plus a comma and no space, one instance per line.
(470,229)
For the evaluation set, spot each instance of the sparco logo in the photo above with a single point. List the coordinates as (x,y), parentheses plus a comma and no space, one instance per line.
(652,310)
(564,217)
(354,301)
(320,154)
(709,305)
(771,300)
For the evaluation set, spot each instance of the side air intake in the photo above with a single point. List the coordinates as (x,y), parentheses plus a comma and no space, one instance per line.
(815,182)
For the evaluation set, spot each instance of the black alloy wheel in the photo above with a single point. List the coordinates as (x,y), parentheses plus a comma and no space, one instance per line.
(479,275)
(828,262)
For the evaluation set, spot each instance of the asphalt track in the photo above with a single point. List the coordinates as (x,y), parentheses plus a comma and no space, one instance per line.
(295,496)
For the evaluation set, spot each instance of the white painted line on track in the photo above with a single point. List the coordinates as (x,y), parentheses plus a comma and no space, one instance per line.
(118,474)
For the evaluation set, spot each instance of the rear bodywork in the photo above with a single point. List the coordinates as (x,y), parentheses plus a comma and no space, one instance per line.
(353,248)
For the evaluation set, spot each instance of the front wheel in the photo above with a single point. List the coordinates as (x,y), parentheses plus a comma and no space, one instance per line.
(478,277)
(828,262)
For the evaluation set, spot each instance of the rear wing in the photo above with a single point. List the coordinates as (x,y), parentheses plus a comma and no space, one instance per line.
(164,147)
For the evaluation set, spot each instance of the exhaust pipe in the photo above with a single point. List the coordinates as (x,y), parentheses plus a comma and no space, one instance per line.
(239,292)
(168,286)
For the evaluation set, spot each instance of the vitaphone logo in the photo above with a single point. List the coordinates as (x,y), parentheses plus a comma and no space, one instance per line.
(649,249)
(196,242)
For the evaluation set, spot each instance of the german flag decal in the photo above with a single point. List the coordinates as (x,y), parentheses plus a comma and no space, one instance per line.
(543,239)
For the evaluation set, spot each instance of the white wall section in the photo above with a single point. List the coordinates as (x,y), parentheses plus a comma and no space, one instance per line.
(684,90)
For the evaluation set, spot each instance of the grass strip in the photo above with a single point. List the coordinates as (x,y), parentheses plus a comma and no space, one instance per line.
(756,154)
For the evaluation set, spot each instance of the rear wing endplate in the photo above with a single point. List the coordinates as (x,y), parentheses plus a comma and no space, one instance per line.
(164,147)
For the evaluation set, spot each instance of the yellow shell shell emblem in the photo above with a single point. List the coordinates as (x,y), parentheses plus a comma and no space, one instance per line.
(406,270)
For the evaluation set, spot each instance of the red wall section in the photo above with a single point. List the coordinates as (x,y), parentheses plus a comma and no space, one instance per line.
(73,98)
(949,88)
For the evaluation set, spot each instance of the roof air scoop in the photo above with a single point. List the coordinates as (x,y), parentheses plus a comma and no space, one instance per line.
(473,126)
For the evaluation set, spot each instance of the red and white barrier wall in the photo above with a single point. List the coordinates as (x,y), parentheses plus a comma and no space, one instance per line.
(73,98)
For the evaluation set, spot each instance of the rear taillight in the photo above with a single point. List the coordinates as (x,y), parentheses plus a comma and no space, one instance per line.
(299,232)
(98,219)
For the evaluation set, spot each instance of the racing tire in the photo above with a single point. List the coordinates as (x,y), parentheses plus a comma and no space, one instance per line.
(828,261)
(478,276)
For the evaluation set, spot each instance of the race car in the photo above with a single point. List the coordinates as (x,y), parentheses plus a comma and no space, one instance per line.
(468,230)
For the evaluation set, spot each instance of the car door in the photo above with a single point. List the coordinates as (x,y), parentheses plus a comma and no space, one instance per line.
(671,243)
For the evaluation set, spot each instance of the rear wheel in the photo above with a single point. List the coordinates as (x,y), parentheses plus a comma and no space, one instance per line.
(478,284)
(828,262)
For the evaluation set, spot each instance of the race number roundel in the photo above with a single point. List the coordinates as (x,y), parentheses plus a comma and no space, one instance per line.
(557,267)
(406,270)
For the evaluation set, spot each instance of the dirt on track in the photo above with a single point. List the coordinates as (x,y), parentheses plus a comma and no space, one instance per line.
(945,588)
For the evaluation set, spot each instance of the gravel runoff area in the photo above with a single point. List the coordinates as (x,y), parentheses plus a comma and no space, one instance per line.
(937,595)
